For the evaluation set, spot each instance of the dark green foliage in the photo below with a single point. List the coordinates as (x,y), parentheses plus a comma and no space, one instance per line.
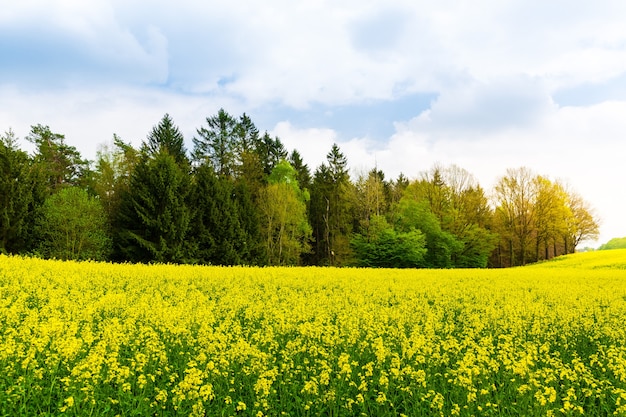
(217,231)
(249,167)
(386,248)
(247,135)
(271,151)
(216,144)
(252,251)
(331,211)
(166,137)
(234,149)
(73,225)
(21,193)
(154,219)
(303,173)
(246,200)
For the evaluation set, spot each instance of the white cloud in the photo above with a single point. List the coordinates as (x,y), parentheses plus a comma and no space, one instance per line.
(56,44)
(313,144)
(582,146)
(117,66)
(481,106)
(90,117)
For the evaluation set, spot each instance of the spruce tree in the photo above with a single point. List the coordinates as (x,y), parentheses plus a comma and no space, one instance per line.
(154,218)
(166,137)
(331,210)
(20,196)
(216,143)
(217,231)
(252,250)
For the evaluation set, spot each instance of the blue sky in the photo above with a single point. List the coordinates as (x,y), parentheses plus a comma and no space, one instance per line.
(486,85)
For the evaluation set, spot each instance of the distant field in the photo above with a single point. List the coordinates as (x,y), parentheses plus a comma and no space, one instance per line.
(105,340)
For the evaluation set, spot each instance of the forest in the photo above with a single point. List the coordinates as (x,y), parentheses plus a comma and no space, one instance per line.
(239,197)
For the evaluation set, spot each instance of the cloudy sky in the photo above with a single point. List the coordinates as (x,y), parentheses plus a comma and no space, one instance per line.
(486,85)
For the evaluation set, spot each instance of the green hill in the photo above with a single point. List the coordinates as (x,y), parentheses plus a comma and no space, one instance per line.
(615,259)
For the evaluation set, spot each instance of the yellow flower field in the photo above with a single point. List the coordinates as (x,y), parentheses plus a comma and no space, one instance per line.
(105,340)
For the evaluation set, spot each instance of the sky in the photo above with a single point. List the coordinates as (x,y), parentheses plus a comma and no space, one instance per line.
(401,85)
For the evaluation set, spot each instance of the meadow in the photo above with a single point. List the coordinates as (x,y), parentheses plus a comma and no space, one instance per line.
(139,340)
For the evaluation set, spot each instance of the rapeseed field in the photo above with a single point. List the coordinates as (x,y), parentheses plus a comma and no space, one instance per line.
(136,340)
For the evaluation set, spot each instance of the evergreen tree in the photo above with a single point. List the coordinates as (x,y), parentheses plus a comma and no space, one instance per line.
(166,137)
(20,196)
(217,231)
(271,151)
(217,143)
(331,210)
(249,168)
(303,173)
(247,135)
(154,218)
(252,250)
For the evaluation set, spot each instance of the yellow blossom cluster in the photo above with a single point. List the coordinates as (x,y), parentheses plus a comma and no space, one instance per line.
(103,339)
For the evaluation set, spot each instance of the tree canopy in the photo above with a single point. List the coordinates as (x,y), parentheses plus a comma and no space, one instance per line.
(240,197)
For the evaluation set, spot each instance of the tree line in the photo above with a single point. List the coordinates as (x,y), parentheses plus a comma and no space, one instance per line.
(240,198)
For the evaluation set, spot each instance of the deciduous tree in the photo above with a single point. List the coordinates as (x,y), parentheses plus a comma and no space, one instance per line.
(383,247)
(283,212)
(73,226)
(514,195)
(61,163)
